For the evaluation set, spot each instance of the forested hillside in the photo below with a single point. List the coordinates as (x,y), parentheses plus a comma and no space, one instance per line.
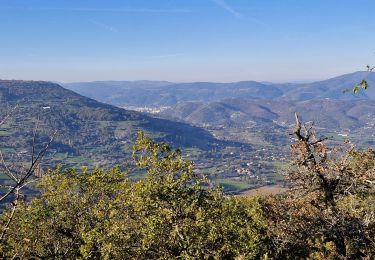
(88,131)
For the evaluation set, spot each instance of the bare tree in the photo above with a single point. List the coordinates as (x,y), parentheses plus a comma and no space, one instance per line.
(328,211)
(328,173)
(19,174)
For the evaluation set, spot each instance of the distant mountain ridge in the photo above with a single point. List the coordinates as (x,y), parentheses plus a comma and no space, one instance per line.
(241,112)
(154,94)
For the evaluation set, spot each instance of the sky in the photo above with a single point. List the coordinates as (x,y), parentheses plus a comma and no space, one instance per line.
(185,40)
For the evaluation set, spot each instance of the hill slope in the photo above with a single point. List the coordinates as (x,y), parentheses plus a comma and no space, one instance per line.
(88,131)
(332,88)
(327,113)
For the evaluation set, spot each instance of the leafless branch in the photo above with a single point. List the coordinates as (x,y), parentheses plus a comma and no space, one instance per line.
(10,218)
(8,115)
(31,169)
(7,170)
(20,175)
(34,137)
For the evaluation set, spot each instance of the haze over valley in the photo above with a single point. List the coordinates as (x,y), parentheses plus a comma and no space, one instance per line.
(236,133)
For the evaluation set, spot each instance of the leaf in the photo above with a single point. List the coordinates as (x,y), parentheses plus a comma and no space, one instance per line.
(364,84)
(355,89)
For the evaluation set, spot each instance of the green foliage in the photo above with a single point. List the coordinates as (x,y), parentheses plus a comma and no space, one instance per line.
(363,84)
(172,213)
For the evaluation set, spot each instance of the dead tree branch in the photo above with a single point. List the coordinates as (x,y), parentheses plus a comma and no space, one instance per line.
(34,164)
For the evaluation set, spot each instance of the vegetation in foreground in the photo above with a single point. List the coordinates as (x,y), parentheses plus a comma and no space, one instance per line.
(328,212)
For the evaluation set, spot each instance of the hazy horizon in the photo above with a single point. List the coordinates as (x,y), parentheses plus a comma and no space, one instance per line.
(193,81)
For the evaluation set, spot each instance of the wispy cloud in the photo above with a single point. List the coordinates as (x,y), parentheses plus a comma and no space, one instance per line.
(228,8)
(222,4)
(104,26)
(87,9)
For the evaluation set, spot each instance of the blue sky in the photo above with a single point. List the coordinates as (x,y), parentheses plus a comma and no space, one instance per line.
(185,40)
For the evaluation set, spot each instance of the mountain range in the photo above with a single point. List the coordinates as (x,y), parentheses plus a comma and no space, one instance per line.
(230,130)
(241,112)
(330,103)
(161,93)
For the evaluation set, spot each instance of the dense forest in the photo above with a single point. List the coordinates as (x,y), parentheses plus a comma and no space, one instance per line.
(327,212)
